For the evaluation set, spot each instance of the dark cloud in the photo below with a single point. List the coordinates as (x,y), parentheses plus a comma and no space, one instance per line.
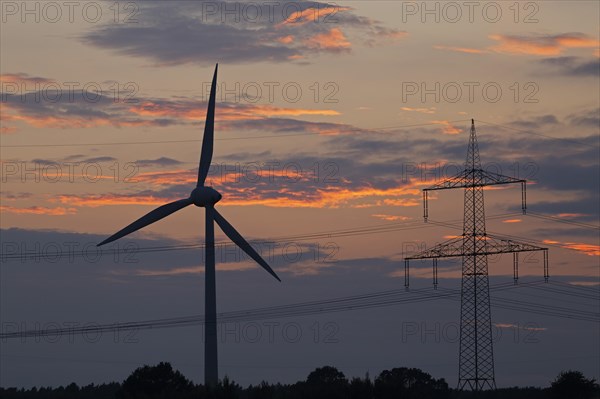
(587,206)
(536,122)
(72,158)
(100,159)
(288,125)
(556,232)
(52,108)
(162,161)
(43,161)
(77,111)
(587,118)
(204,33)
(574,66)
(16,196)
(180,40)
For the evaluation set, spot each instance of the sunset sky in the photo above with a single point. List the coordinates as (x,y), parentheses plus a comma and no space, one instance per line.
(330,117)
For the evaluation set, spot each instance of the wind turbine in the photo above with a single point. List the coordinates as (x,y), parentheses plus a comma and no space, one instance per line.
(206,197)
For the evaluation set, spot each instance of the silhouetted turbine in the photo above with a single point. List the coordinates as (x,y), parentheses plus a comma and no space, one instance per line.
(206,197)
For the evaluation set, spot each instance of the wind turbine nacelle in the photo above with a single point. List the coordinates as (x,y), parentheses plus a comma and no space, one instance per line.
(203,196)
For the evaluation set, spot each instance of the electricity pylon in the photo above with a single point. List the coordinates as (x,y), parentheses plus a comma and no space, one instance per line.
(476,355)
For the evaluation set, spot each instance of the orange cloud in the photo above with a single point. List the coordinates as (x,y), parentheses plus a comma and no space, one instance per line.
(390,218)
(542,45)
(193,111)
(73,121)
(588,249)
(314,14)
(461,49)
(94,201)
(401,202)
(181,271)
(7,129)
(331,197)
(171,272)
(332,40)
(38,210)
(585,283)
(516,326)
(23,79)
(448,127)
(60,122)
(283,197)
(546,45)
(190,176)
(570,215)
(420,110)
(171,177)
(286,39)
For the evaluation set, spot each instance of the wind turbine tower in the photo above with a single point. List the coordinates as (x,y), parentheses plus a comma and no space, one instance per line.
(205,197)
(476,355)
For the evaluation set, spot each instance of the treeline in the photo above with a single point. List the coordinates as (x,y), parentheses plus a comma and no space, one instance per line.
(162,382)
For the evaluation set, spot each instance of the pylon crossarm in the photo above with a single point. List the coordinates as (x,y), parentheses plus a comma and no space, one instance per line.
(465,180)
(451,182)
(509,245)
(454,247)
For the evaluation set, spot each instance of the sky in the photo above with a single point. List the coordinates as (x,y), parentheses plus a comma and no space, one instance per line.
(331,118)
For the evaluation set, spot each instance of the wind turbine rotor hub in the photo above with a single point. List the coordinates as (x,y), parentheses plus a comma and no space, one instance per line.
(205,196)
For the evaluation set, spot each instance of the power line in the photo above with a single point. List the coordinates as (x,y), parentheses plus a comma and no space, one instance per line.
(538,134)
(225,138)
(345,131)
(507,236)
(365,230)
(580,287)
(347,303)
(560,220)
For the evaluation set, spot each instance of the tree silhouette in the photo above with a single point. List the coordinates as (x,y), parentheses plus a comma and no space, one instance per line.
(162,382)
(326,383)
(409,383)
(156,382)
(573,385)
(361,388)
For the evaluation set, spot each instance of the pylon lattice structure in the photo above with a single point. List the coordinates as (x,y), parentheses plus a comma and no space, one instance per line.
(476,355)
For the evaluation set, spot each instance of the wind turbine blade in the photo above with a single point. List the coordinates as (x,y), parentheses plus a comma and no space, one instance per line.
(149,218)
(208,139)
(241,242)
